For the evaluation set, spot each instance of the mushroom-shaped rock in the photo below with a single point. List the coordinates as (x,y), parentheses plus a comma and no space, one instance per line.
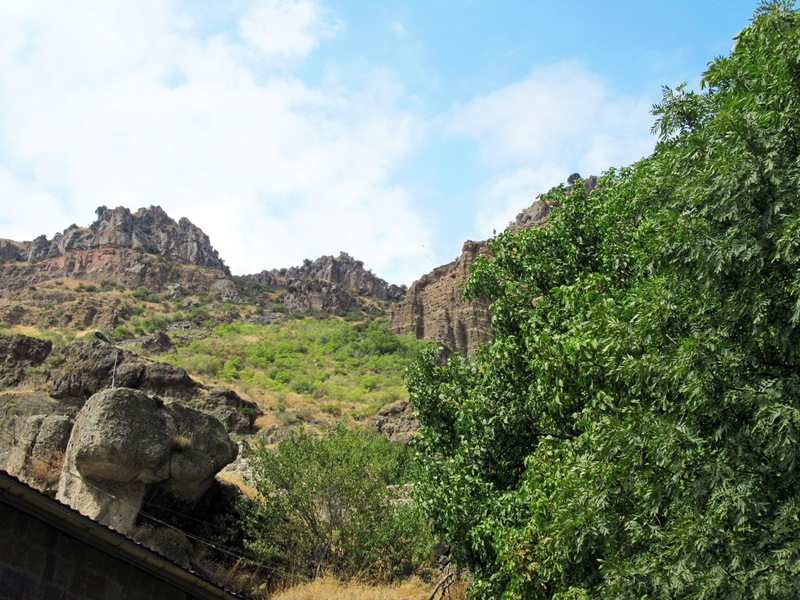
(125,442)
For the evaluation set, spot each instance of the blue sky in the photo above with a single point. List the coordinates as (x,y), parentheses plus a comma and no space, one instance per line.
(288,129)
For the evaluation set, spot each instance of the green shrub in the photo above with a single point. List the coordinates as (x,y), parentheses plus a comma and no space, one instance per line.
(335,504)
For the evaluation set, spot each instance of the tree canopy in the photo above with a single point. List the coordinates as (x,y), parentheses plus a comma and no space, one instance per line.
(633,430)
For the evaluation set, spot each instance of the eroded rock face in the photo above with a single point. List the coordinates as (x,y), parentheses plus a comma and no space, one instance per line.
(319,295)
(124,443)
(38,456)
(122,266)
(150,229)
(434,310)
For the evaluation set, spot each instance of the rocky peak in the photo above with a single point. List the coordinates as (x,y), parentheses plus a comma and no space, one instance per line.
(330,283)
(149,230)
(348,272)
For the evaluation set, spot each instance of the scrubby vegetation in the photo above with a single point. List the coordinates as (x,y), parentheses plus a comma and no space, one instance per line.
(343,366)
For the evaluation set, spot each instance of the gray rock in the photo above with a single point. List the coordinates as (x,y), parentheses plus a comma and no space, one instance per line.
(397,421)
(124,443)
(38,456)
(237,414)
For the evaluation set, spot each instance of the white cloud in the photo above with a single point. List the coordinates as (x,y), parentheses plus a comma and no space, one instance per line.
(286,28)
(534,133)
(124,103)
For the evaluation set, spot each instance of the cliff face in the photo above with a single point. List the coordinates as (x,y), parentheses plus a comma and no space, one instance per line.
(145,248)
(433,308)
(148,229)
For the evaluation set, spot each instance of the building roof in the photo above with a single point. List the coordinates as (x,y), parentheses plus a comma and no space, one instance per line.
(29,500)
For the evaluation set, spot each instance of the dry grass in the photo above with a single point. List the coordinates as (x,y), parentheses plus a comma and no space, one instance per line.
(182,440)
(332,589)
(240,483)
(46,471)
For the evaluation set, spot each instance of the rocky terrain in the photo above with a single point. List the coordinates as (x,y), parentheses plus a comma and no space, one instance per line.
(148,229)
(331,284)
(433,308)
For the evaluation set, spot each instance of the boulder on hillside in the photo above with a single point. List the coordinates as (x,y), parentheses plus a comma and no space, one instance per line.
(397,421)
(157,342)
(125,443)
(237,414)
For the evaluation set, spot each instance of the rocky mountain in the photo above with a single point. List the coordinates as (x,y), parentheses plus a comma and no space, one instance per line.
(332,284)
(150,230)
(146,248)
(433,308)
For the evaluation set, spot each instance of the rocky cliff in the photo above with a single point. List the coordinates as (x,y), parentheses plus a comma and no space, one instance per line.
(433,308)
(333,284)
(150,230)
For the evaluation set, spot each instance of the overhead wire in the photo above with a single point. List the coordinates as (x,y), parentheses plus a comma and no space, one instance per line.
(219,548)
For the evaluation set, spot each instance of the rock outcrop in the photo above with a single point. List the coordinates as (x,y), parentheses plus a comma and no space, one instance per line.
(146,248)
(347,272)
(149,229)
(396,421)
(18,353)
(123,266)
(124,443)
(433,308)
(37,458)
(331,284)
(237,414)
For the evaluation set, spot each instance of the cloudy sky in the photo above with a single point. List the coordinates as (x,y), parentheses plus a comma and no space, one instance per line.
(287,129)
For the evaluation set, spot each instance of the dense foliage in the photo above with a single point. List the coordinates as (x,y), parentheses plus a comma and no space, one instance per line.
(329,359)
(634,429)
(335,504)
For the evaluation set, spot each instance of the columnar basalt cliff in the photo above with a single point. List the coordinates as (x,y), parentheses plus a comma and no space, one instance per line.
(433,308)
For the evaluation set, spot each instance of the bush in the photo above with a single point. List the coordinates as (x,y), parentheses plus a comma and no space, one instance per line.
(334,504)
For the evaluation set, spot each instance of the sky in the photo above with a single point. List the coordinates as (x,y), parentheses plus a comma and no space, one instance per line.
(393,130)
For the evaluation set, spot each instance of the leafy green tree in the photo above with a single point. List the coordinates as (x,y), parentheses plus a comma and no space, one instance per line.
(334,504)
(634,428)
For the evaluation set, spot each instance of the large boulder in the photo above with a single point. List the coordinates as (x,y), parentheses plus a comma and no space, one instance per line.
(124,443)
(37,457)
